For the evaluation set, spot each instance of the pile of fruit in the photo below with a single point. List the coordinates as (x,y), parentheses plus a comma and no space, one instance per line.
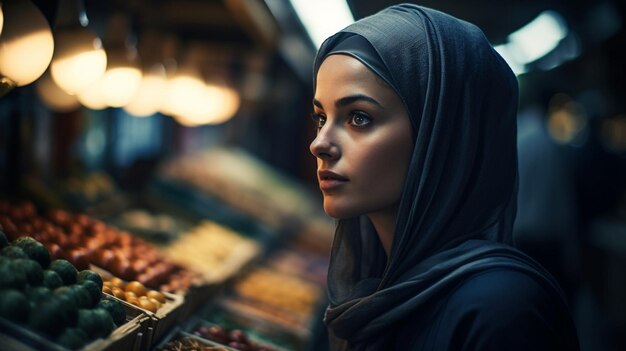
(235,338)
(84,240)
(134,293)
(50,297)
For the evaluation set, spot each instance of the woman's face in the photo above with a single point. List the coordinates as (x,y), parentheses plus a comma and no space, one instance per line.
(364,140)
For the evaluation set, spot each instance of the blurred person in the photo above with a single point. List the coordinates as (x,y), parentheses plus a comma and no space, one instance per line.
(417,160)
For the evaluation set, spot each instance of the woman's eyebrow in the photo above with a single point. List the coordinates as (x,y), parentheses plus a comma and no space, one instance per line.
(347,100)
(317,103)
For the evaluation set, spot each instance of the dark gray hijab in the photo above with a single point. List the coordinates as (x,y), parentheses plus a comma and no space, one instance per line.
(458,203)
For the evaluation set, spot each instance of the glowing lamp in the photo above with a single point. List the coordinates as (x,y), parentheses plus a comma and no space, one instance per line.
(1,18)
(26,44)
(187,121)
(151,93)
(119,85)
(224,103)
(184,94)
(123,74)
(53,96)
(93,97)
(214,105)
(79,59)
(121,79)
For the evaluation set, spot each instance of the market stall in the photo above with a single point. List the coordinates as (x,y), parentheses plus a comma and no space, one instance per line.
(138,208)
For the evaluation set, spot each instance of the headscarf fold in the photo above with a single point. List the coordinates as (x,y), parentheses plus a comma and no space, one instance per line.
(458,203)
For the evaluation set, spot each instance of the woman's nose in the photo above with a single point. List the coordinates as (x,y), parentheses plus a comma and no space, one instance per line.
(323,146)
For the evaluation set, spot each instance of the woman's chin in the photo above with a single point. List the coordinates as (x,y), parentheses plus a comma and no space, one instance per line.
(338,212)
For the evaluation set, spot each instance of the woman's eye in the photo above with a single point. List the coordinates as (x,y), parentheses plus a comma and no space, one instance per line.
(360,119)
(319,119)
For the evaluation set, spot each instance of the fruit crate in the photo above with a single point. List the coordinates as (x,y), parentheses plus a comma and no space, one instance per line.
(223,313)
(127,337)
(158,323)
(178,335)
(251,337)
(197,296)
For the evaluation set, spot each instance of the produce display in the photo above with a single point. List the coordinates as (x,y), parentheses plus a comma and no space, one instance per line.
(190,343)
(134,293)
(300,263)
(90,193)
(235,338)
(287,298)
(244,182)
(49,296)
(84,240)
(156,227)
(63,274)
(89,188)
(216,251)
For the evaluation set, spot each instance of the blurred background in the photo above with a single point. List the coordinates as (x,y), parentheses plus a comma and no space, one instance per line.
(159,117)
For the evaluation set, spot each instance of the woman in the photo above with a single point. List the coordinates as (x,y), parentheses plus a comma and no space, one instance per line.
(416,157)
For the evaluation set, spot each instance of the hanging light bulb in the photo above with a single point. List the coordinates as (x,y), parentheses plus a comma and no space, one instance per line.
(225,102)
(187,121)
(1,18)
(151,93)
(153,88)
(93,97)
(190,100)
(185,93)
(79,59)
(26,45)
(123,74)
(202,107)
(120,81)
(215,104)
(53,96)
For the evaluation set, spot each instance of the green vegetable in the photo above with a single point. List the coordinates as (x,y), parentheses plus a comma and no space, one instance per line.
(9,276)
(115,309)
(95,293)
(38,293)
(14,305)
(32,270)
(49,317)
(65,269)
(13,252)
(64,290)
(82,296)
(86,275)
(77,294)
(38,252)
(52,279)
(72,338)
(96,322)
(67,299)
(3,239)
(23,241)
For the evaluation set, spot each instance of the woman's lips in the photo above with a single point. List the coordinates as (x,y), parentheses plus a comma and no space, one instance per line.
(329,180)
